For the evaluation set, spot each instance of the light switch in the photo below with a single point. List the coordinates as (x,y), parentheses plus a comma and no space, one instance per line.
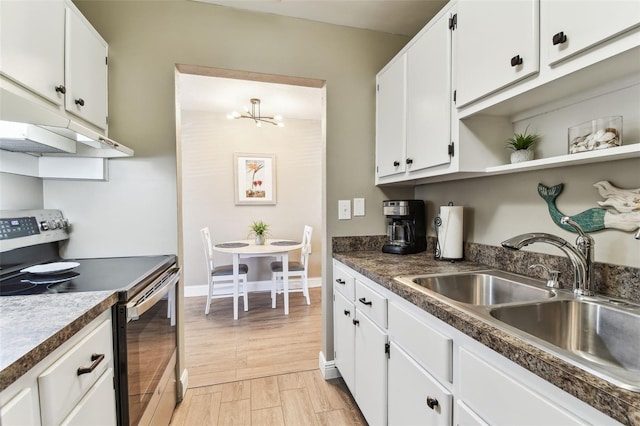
(344,209)
(358,206)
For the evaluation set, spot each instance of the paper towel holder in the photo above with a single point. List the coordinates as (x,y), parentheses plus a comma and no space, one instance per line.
(437,249)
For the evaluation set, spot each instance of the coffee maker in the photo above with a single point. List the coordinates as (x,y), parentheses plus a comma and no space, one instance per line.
(406,229)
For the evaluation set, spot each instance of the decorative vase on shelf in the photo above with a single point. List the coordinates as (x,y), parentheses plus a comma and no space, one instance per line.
(260,240)
(521,155)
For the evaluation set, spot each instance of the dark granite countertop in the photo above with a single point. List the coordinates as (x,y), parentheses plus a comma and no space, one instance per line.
(618,403)
(31,327)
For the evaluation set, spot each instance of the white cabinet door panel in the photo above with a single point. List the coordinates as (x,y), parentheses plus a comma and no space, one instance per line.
(32,45)
(371,370)
(390,120)
(429,97)
(21,410)
(98,407)
(489,35)
(583,24)
(343,337)
(415,398)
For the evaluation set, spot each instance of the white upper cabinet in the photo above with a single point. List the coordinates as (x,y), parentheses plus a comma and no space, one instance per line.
(85,71)
(428,98)
(32,46)
(569,27)
(496,45)
(390,120)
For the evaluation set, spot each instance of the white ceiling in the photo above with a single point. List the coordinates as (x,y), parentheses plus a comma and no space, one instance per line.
(404,17)
(224,95)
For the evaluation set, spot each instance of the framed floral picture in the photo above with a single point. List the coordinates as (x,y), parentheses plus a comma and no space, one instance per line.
(255,178)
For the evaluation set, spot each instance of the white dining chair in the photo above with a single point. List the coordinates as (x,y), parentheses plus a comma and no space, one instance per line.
(296,269)
(222,274)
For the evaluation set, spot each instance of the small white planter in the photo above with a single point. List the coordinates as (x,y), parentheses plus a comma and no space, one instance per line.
(521,155)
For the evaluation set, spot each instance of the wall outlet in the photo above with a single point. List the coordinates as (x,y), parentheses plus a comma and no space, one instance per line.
(358,206)
(344,209)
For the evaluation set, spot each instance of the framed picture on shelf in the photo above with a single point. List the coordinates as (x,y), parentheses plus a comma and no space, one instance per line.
(255,178)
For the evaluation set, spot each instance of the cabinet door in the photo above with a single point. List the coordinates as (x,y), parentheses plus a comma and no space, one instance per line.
(32,45)
(415,398)
(85,71)
(20,410)
(343,338)
(491,36)
(98,407)
(390,120)
(428,97)
(570,27)
(371,370)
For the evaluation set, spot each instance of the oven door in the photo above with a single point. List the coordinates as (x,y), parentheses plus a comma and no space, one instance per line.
(146,342)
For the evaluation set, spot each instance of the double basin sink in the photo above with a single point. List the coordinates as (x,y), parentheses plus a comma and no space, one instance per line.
(598,334)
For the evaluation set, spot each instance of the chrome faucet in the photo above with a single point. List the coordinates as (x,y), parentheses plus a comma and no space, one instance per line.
(581,256)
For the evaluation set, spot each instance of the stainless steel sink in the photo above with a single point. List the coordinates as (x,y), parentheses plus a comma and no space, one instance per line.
(595,332)
(484,288)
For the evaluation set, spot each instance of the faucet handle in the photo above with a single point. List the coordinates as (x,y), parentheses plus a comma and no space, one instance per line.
(552,275)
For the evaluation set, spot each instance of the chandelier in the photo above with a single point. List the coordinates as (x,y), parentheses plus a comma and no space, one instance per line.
(254,114)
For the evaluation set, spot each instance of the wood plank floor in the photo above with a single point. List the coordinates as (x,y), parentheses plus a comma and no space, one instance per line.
(261,369)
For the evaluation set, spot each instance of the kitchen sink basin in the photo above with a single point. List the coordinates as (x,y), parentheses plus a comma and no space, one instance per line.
(484,288)
(604,334)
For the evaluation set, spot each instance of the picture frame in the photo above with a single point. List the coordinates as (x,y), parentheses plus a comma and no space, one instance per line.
(255,179)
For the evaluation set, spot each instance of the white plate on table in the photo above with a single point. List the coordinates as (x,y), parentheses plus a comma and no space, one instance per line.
(51,268)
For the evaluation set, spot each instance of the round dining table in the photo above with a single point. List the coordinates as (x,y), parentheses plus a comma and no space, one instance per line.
(248,248)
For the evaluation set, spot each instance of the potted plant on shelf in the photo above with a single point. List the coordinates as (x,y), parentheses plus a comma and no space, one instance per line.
(260,230)
(522,144)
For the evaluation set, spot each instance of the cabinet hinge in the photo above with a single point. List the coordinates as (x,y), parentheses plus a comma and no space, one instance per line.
(450,150)
(378,87)
(106,60)
(455,94)
(453,22)
(387,350)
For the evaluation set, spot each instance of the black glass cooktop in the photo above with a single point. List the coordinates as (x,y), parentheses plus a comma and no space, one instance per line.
(122,274)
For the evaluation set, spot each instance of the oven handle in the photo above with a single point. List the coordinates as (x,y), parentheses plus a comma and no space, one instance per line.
(156,291)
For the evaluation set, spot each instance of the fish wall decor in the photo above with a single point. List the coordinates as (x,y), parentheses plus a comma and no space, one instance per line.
(623,212)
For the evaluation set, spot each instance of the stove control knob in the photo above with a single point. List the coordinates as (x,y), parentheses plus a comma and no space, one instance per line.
(44,226)
(56,224)
(65,223)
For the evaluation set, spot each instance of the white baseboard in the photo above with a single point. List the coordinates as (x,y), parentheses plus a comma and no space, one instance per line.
(328,369)
(184,384)
(201,290)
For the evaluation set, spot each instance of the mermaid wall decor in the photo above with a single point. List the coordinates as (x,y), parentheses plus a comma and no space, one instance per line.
(622,208)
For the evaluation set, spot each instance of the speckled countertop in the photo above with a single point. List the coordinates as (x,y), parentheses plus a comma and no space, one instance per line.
(31,327)
(618,403)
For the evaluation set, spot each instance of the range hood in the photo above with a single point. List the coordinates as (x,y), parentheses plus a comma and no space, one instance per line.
(30,128)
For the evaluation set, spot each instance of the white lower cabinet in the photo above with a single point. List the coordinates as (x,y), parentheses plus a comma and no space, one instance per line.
(415,397)
(72,386)
(435,374)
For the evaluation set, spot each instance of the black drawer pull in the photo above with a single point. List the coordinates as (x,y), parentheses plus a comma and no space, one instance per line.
(61,89)
(97,359)
(340,281)
(432,402)
(347,313)
(559,38)
(409,161)
(516,60)
(364,301)
(396,163)
(356,322)
(79,101)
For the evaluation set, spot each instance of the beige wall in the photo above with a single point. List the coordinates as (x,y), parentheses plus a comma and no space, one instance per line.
(208,144)
(500,207)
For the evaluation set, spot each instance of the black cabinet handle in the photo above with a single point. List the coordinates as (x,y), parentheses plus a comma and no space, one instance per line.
(61,89)
(409,161)
(356,322)
(97,359)
(396,163)
(347,313)
(432,402)
(559,38)
(79,101)
(516,60)
(364,301)
(340,281)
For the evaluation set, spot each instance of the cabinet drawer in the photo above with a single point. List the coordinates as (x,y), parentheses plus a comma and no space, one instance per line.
(371,303)
(61,388)
(98,407)
(508,401)
(415,398)
(432,350)
(343,282)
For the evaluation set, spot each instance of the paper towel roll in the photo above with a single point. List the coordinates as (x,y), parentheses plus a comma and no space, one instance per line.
(450,232)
